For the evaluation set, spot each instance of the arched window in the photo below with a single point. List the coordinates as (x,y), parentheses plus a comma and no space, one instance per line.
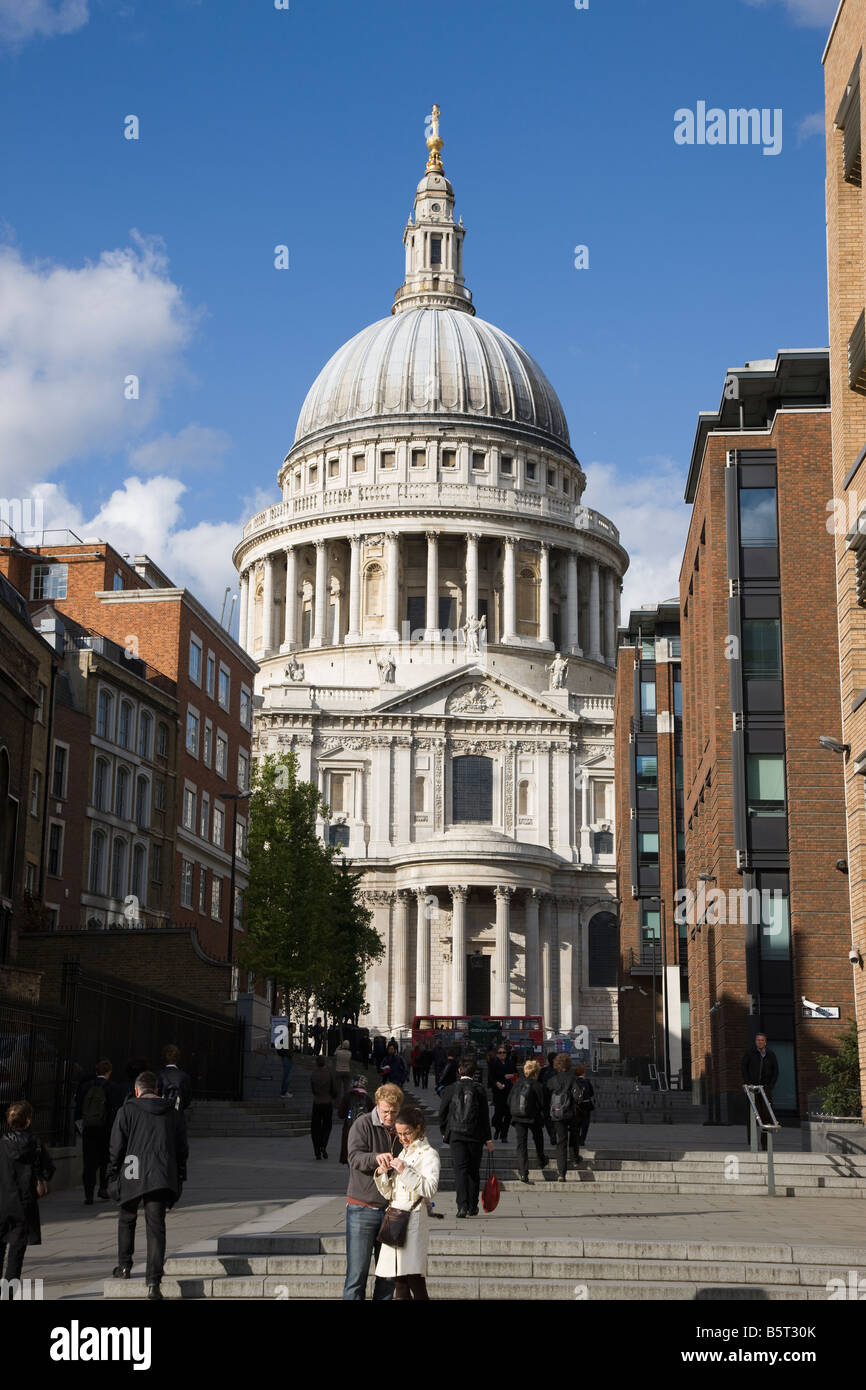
(124,725)
(374,597)
(145,734)
(603,950)
(118,869)
(105,715)
(524,799)
(101,783)
(527,602)
(121,793)
(162,741)
(472,790)
(97,862)
(142,803)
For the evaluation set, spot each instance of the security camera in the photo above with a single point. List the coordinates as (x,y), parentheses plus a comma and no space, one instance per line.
(854,956)
(842,865)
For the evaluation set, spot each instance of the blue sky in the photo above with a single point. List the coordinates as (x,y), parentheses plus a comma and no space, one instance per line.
(306,127)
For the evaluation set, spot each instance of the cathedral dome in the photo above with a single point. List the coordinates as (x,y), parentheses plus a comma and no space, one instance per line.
(440,361)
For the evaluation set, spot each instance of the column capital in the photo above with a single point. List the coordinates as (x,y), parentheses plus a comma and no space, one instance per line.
(432,535)
(537,895)
(504,891)
(474,536)
(392,535)
(319,544)
(420,890)
(511,540)
(402,895)
(544,545)
(458,891)
(289,547)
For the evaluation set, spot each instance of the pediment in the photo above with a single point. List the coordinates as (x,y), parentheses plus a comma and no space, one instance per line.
(473,693)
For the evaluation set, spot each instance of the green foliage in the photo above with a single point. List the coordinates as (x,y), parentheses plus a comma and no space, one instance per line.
(841,1095)
(304,925)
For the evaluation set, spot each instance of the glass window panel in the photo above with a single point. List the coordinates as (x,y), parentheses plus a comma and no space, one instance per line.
(647,769)
(765,776)
(775,927)
(758,516)
(648,697)
(762,648)
(472,789)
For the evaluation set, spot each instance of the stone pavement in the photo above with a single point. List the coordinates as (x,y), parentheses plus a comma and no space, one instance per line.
(275,1184)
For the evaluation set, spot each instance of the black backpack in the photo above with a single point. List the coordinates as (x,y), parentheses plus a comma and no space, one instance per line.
(562,1103)
(464,1110)
(523,1102)
(584,1098)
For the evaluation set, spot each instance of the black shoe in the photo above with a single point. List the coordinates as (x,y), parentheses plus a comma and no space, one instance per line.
(88,1201)
(461,1211)
(318,1155)
(522,1178)
(121,1271)
(562,1178)
(154,1293)
(473,1211)
(543,1162)
(324,1153)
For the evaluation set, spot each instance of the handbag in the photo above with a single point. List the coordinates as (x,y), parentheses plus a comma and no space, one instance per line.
(491,1191)
(395,1225)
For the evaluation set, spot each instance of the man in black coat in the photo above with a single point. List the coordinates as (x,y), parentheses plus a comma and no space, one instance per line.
(173,1083)
(25,1163)
(464,1120)
(759,1067)
(147,1167)
(97,1102)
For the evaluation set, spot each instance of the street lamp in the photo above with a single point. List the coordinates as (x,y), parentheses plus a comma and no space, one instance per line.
(234,798)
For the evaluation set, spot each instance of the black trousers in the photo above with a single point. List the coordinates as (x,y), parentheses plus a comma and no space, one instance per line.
(583,1119)
(154,1204)
(94,1143)
(320,1127)
(566,1135)
(466,1157)
(13,1243)
(501,1114)
(521,1137)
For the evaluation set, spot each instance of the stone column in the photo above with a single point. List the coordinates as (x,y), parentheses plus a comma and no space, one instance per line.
(354,633)
(320,598)
(471,605)
(544,595)
(431,633)
(336,634)
(400,954)
(509,591)
(546,934)
(242,616)
(533,999)
(268,607)
(501,954)
(422,954)
(291,614)
(609,629)
(392,588)
(617,595)
(572,638)
(567,960)
(251,611)
(594,613)
(458,948)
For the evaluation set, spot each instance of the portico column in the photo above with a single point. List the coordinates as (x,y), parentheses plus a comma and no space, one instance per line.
(392,581)
(458,948)
(422,954)
(544,594)
(354,632)
(547,963)
(509,616)
(609,630)
(251,611)
(289,629)
(400,982)
(533,1003)
(432,633)
(320,599)
(572,631)
(594,613)
(502,982)
(242,616)
(617,594)
(471,576)
(268,606)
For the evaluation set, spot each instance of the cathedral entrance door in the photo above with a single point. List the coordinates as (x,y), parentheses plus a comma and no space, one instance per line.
(478,984)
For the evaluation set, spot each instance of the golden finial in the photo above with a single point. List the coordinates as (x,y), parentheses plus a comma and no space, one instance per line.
(434,143)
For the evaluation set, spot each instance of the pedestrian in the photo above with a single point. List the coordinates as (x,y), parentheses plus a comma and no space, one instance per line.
(448,1074)
(526,1106)
(563,1111)
(357,1101)
(324,1088)
(409,1180)
(585,1105)
(378,1051)
(173,1084)
(424,1064)
(393,1068)
(96,1104)
(439,1060)
(365,1047)
(464,1120)
(759,1067)
(287,1058)
(343,1066)
(25,1172)
(318,1036)
(497,1080)
(147,1168)
(372,1138)
(543,1077)
(415,1063)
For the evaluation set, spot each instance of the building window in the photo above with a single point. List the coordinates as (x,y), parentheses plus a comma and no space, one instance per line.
(219,817)
(101,783)
(297,480)
(39,716)
(646,772)
(603,943)
(758,516)
(188,808)
(216,898)
(338,835)
(121,793)
(435,250)
(162,741)
(204,818)
(313,474)
(359,463)
(551,477)
(678,699)
(479,461)
(202,889)
(506,465)
(648,849)
(333,468)
(118,870)
(531,470)
(55,849)
(648,698)
(603,842)
(159,795)
(225,687)
(449,458)
(388,459)
(186,883)
(156,864)
(775,937)
(139,873)
(678,772)
(192,723)
(765,784)
(472,790)
(142,803)
(48,581)
(246,707)
(117,583)
(124,725)
(207,746)
(59,771)
(339,793)
(105,715)
(419,458)
(222,755)
(566,484)
(243,770)
(35,790)
(420,794)
(650,935)
(195,660)
(762,648)
(210,674)
(241,837)
(96,878)
(145,733)
(524,798)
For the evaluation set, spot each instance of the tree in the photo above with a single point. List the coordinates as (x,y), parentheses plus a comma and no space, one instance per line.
(841,1095)
(353,945)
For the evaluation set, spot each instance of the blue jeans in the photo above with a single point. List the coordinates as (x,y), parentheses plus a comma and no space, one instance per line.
(286,1059)
(362,1228)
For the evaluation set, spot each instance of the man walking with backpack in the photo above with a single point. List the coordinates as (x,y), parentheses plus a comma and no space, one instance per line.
(173,1084)
(464,1120)
(564,1100)
(526,1104)
(96,1105)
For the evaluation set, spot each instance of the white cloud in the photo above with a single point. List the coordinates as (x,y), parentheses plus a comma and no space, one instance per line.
(193,447)
(25,19)
(811,125)
(812,12)
(653,521)
(69,340)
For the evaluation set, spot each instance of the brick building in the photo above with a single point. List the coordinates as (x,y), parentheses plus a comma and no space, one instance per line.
(650,847)
(763,800)
(846,251)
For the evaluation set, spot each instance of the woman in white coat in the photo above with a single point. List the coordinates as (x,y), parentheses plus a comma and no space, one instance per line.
(412,1174)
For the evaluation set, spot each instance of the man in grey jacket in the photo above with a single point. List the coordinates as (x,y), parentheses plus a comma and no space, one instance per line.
(370,1137)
